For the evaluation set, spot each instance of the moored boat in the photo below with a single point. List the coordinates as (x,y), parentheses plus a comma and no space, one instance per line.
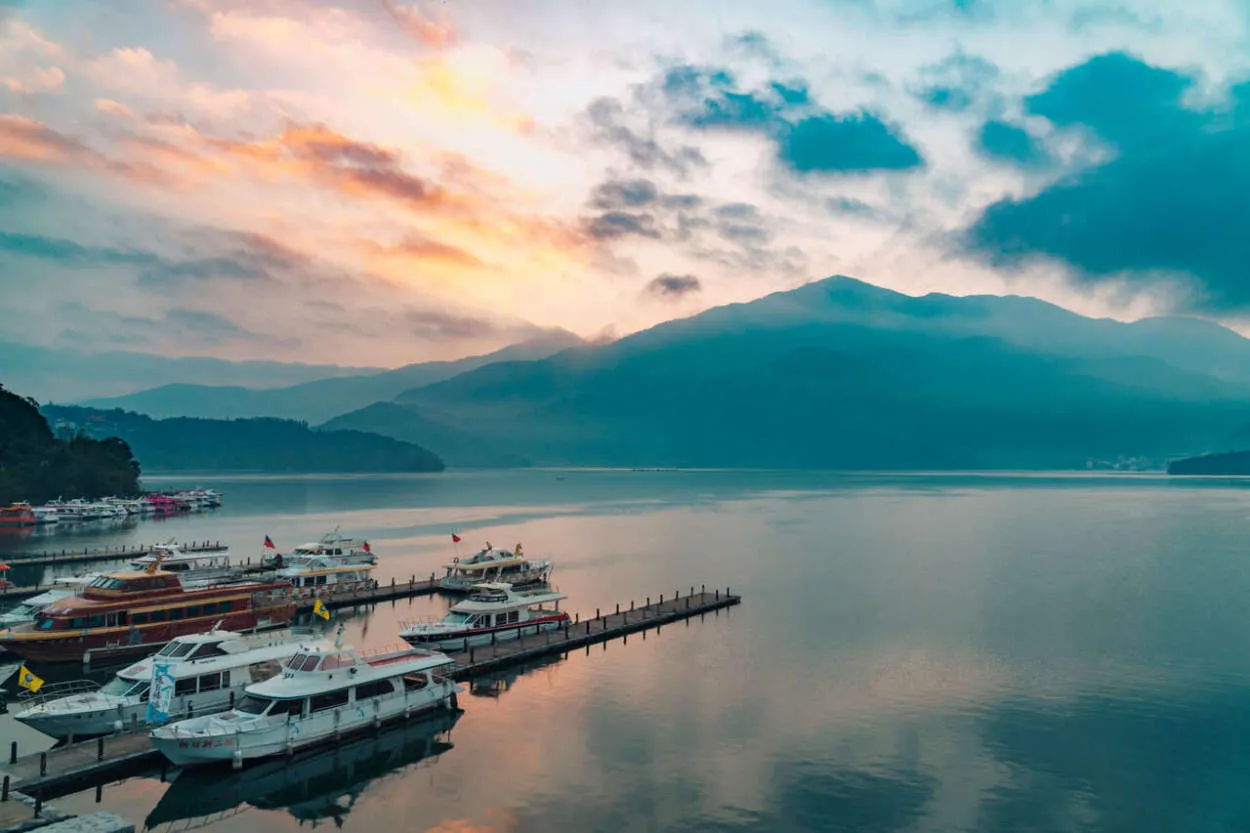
(321,695)
(332,564)
(494,611)
(25,611)
(208,671)
(490,564)
(195,569)
(127,614)
(17,515)
(46,515)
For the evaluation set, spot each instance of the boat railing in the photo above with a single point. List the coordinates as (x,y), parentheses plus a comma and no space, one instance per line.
(55,691)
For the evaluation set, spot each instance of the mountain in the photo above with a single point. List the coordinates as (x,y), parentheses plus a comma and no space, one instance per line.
(36,466)
(842,374)
(69,375)
(264,444)
(404,422)
(323,399)
(1225,464)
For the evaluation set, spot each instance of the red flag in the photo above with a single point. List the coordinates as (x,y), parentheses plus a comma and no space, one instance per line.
(367,547)
(455,539)
(269,544)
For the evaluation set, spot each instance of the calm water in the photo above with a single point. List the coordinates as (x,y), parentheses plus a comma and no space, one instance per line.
(915,653)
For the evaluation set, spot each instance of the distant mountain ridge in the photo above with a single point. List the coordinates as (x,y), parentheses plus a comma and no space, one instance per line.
(321,399)
(59,375)
(842,374)
(263,444)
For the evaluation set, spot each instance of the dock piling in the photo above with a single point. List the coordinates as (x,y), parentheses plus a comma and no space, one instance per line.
(4,791)
(38,803)
(13,752)
(43,764)
(99,748)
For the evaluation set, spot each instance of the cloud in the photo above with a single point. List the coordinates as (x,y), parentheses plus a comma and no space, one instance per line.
(70,252)
(855,142)
(671,287)
(33,141)
(609,124)
(614,224)
(422,248)
(433,32)
(955,83)
(437,325)
(1005,142)
(1167,207)
(624,194)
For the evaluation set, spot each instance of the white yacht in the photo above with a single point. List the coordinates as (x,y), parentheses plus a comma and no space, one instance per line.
(208,671)
(322,694)
(493,611)
(331,565)
(46,515)
(490,564)
(25,611)
(194,569)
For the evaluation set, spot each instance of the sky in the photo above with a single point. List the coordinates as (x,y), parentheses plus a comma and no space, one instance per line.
(378,182)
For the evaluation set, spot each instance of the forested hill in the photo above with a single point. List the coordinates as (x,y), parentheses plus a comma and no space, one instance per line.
(36,466)
(263,444)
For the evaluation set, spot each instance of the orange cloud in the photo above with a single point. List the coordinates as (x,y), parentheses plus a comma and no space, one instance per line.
(436,33)
(33,141)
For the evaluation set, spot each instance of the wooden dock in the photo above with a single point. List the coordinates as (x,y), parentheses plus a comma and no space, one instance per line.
(69,556)
(65,769)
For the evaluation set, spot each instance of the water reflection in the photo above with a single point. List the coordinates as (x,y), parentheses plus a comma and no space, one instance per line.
(312,786)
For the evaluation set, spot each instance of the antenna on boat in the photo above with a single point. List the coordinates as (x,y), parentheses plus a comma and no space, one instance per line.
(338,636)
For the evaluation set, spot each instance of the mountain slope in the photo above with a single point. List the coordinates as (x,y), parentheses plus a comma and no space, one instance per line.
(845,375)
(264,444)
(323,399)
(66,375)
(404,422)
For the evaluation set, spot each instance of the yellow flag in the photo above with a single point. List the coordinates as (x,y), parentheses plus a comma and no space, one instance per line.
(28,681)
(321,610)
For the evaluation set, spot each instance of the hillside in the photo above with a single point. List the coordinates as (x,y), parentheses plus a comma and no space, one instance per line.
(322,399)
(841,374)
(1228,463)
(247,444)
(404,422)
(71,375)
(36,466)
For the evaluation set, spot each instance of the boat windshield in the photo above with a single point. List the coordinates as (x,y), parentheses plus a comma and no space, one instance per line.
(456,618)
(117,687)
(253,705)
(176,649)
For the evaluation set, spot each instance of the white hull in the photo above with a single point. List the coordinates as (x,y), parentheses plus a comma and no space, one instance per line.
(84,718)
(456,641)
(208,740)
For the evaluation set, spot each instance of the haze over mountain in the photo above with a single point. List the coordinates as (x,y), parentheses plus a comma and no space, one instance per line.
(320,399)
(843,374)
(64,375)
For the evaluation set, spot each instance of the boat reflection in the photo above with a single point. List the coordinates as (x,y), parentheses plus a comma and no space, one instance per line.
(312,786)
(493,685)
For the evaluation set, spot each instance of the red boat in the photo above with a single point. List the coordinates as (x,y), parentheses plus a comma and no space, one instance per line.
(19,514)
(125,614)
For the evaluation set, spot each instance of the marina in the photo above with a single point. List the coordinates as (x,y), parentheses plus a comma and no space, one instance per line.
(65,768)
(88,554)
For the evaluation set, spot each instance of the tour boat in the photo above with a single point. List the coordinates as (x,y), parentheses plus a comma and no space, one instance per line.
(46,515)
(126,614)
(314,786)
(490,564)
(18,514)
(493,611)
(208,671)
(195,569)
(321,695)
(332,564)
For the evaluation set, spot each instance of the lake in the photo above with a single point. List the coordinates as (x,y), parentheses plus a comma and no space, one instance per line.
(919,652)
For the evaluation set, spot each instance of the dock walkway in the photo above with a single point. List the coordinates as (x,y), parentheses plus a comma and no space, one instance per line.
(68,556)
(60,770)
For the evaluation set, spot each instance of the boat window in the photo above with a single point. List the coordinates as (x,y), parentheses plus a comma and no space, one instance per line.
(77,623)
(176,613)
(139,689)
(158,616)
(111,620)
(95,621)
(210,682)
(177,649)
(252,705)
(321,580)
(513,616)
(415,682)
(193,611)
(377,688)
(210,609)
(291,707)
(329,700)
(209,649)
(185,686)
(310,663)
(139,619)
(45,624)
(176,567)
(296,661)
(456,618)
(116,687)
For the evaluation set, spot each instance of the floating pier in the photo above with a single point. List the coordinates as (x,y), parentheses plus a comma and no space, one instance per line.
(69,556)
(61,770)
